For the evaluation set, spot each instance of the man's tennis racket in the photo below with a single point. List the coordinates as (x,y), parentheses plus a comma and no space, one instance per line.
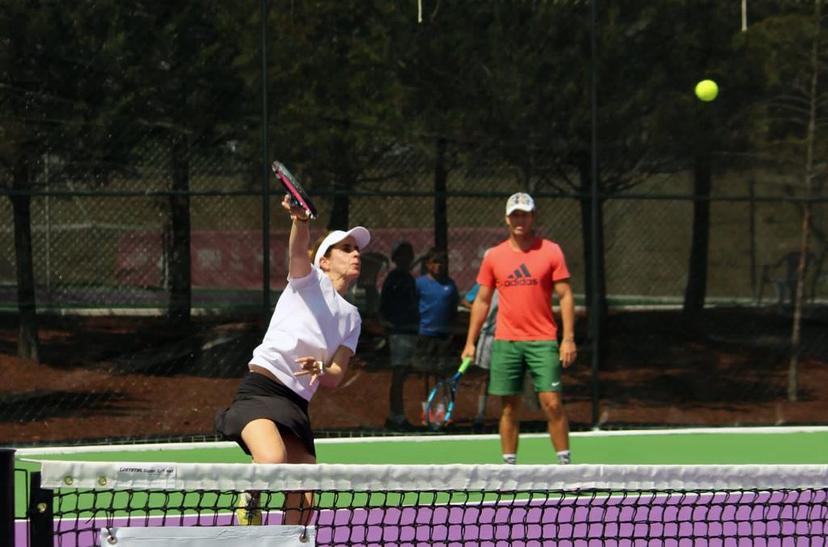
(440,404)
(293,187)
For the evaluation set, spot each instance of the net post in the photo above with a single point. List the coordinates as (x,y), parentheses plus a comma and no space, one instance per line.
(7,496)
(40,513)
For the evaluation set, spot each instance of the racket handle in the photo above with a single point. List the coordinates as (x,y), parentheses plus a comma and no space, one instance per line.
(464,365)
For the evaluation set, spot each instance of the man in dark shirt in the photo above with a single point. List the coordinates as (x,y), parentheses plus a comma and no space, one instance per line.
(398,308)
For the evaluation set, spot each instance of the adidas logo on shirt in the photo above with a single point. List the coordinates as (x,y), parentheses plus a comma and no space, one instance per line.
(521,276)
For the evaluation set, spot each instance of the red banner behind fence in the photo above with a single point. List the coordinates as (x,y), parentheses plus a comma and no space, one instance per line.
(232,259)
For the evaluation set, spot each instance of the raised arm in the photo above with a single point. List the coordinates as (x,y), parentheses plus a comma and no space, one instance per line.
(299,264)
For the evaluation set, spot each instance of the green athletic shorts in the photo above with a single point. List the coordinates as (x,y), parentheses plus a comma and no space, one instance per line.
(510,359)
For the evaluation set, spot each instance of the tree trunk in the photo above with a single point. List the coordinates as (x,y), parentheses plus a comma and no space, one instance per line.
(179,252)
(799,300)
(696,289)
(440,188)
(27,335)
(810,154)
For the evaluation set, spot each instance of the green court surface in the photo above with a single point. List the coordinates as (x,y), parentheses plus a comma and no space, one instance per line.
(731,446)
(725,446)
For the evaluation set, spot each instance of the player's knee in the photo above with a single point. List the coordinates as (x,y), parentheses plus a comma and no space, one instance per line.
(509,409)
(553,407)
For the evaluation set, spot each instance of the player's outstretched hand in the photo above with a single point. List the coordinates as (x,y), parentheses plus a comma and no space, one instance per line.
(312,366)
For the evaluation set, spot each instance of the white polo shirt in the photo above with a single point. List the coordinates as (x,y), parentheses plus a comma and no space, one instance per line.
(310,319)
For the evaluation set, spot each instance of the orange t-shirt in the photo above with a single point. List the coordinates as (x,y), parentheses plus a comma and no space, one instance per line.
(524,282)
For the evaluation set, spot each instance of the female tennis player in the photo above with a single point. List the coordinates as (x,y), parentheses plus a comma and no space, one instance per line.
(310,340)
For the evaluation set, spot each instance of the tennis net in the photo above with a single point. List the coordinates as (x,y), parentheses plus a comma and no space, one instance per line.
(100,503)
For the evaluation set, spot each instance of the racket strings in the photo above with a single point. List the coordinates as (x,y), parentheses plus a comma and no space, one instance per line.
(438,409)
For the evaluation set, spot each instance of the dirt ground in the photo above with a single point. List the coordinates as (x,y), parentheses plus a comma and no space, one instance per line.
(117,379)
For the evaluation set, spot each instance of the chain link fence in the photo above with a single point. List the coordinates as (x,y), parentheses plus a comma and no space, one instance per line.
(109,349)
(106,248)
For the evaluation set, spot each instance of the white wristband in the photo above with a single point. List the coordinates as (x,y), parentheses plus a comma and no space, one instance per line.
(321,365)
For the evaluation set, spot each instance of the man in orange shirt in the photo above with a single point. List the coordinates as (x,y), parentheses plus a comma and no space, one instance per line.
(526,270)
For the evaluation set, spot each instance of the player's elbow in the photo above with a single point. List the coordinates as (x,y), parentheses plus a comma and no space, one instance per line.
(328,382)
(564,292)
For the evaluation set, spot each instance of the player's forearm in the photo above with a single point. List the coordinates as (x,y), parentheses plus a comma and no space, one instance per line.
(567,303)
(334,374)
(298,243)
(336,370)
(478,314)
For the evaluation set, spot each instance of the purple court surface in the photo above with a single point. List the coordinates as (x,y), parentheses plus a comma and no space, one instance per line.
(745,519)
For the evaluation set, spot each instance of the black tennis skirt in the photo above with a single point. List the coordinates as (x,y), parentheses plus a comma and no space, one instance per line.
(258,397)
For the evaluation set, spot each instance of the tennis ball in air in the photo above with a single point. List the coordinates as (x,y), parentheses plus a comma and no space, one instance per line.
(707,90)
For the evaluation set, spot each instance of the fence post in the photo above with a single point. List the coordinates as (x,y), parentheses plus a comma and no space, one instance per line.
(40,513)
(266,180)
(7,496)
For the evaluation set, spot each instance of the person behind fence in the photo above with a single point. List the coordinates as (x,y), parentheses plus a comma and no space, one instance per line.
(398,309)
(483,350)
(311,338)
(526,270)
(437,298)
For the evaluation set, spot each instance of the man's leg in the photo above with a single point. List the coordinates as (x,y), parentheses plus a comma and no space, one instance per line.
(509,427)
(543,361)
(557,423)
(506,381)
(483,359)
(402,348)
(482,399)
(396,409)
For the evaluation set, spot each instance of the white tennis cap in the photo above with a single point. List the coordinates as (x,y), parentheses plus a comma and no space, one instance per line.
(520,202)
(361,235)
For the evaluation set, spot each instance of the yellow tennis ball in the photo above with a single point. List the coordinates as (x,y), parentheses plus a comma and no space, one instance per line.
(707,90)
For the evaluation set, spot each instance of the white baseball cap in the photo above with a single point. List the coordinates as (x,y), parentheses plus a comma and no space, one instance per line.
(361,235)
(520,202)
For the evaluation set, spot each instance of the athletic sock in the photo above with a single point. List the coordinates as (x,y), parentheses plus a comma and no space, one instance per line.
(511,459)
(564,457)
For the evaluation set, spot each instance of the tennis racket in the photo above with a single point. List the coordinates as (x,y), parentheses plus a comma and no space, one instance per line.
(440,403)
(298,195)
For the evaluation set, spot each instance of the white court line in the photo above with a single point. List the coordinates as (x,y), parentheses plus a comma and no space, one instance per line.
(163,447)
